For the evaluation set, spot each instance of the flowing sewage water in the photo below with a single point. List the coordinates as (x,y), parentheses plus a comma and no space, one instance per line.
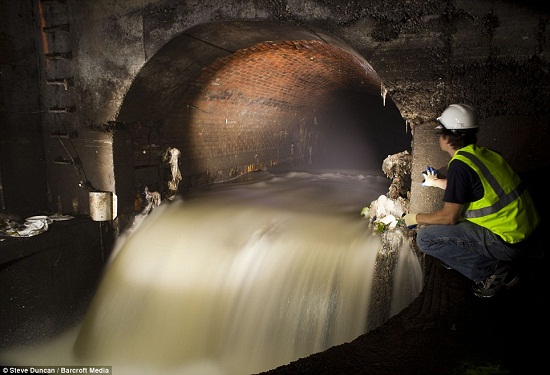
(237,279)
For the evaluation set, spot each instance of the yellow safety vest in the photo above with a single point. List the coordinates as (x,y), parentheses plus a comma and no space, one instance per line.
(506,207)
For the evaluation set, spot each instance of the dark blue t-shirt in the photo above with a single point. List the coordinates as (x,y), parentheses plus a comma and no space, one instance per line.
(463,184)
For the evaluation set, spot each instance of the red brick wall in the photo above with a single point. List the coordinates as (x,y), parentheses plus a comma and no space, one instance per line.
(257,107)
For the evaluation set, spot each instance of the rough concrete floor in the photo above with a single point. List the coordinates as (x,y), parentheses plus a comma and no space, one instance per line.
(447,330)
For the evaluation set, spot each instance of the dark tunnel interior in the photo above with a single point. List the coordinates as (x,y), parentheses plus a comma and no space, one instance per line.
(372,132)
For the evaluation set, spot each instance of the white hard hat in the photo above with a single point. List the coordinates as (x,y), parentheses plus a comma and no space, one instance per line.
(458,117)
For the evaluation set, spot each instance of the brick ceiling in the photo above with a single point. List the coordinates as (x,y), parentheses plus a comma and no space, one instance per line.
(291,73)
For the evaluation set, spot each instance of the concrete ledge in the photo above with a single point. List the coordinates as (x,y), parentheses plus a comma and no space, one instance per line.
(48,280)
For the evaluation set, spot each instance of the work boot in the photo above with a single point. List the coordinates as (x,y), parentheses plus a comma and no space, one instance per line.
(495,282)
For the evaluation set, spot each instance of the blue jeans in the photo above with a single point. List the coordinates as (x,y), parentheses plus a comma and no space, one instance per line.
(472,250)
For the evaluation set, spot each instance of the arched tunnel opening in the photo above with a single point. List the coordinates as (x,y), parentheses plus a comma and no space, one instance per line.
(234,97)
(290,100)
(284,280)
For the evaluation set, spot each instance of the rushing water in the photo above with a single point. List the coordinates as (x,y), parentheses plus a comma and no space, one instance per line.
(236,279)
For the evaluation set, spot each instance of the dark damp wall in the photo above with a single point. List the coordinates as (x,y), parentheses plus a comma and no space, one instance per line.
(69,69)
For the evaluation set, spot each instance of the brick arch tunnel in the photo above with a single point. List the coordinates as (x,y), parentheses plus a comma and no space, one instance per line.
(239,96)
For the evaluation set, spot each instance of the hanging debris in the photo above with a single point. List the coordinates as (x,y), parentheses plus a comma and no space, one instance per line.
(172,155)
(397,167)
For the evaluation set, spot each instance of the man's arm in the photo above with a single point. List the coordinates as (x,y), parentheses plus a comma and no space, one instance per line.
(440,183)
(450,214)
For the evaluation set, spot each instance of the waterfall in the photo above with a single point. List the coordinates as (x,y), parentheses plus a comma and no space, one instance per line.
(242,278)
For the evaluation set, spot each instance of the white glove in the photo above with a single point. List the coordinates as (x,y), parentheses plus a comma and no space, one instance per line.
(430,175)
(410,220)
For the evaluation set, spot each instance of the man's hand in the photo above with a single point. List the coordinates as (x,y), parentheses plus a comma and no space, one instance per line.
(430,176)
(410,220)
